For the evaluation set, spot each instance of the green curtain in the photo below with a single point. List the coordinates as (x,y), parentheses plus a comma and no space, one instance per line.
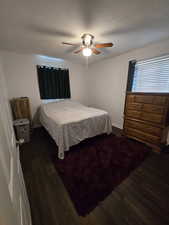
(53,82)
(131,70)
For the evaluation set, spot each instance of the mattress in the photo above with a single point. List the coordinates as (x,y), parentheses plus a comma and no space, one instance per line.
(69,122)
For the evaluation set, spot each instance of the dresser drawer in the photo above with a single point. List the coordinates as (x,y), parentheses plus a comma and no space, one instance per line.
(145,116)
(142,136)
(143,127)
(130,98)
(134,106)
(144,99)
(153,108)
(160,100)
(151,117)
(148,99)
(133,113)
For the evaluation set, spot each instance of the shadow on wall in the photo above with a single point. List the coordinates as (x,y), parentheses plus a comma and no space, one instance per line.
(36,119)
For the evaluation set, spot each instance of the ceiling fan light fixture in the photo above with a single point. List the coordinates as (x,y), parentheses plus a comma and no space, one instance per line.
(87,52)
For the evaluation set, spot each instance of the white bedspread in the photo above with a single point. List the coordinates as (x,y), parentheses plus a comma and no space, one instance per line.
(69,123)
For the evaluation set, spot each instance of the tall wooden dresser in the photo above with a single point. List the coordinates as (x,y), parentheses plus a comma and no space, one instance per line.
(146,118)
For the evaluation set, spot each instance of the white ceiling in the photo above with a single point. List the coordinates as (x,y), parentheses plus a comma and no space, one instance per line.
(39,26)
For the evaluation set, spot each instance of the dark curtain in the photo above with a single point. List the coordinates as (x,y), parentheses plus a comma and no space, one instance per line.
(53,82)
(131,70)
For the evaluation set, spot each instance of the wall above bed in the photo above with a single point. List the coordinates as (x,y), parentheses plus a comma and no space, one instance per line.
(21,76)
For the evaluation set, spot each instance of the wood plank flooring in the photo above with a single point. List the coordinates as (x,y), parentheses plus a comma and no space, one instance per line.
(142,199)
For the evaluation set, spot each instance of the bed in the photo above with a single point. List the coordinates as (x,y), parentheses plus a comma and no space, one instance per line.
(69,122)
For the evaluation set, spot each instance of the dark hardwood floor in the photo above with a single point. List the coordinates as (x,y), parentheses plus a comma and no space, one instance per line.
(142,199)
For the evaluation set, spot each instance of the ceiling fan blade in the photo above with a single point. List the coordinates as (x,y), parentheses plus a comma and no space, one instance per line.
(67,43)
(95,51)
(104,45)
(76,52)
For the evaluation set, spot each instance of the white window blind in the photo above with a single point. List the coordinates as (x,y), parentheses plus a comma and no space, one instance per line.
(152,75)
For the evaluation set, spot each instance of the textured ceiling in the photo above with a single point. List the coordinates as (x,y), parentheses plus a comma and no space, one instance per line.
(39,26)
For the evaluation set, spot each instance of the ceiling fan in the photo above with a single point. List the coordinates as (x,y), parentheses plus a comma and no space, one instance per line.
(88,47)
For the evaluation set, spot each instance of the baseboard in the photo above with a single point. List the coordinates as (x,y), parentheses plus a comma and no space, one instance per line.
(116,125)
(117,131)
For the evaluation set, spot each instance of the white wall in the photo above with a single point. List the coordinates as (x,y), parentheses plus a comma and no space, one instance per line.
(21,76)
(103,85)
(107,79)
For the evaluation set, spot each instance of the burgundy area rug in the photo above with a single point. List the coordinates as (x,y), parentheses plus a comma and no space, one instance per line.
(93,168)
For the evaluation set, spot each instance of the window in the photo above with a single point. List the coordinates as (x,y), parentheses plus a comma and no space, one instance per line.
(149,76)
(53,83)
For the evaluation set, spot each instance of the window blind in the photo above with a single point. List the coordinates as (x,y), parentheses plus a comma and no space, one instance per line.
(151,75)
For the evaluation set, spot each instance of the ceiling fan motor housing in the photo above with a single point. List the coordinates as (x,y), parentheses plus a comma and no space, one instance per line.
(87,40)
